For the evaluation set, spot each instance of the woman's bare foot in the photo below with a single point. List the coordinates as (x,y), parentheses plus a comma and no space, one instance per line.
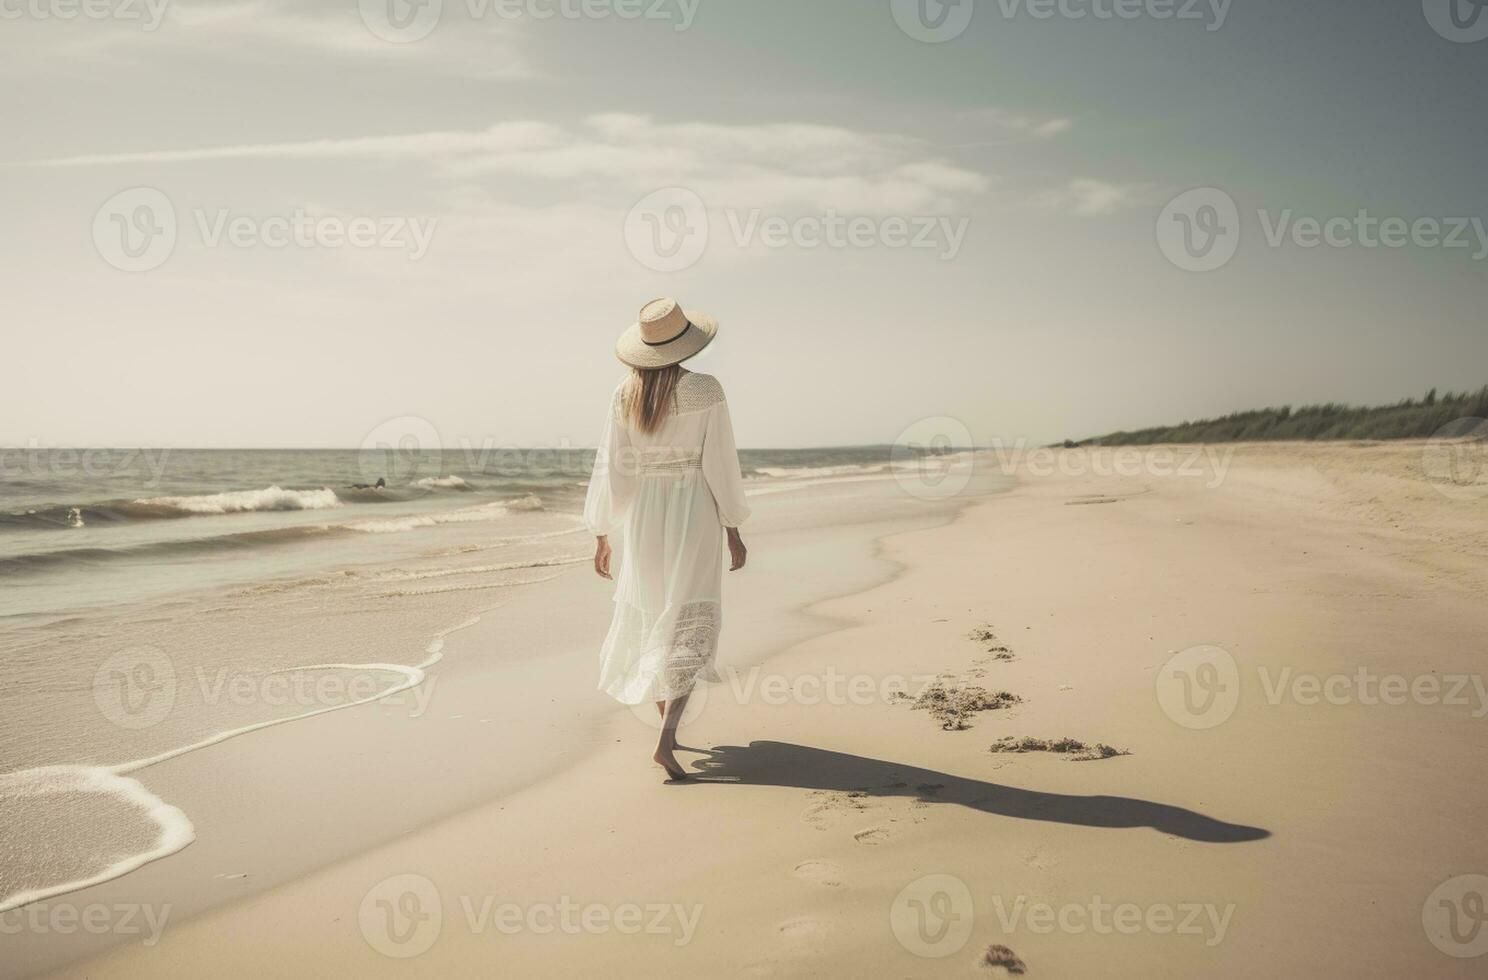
(667,761)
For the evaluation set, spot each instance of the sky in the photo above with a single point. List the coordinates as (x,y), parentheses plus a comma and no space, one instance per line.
(283,223)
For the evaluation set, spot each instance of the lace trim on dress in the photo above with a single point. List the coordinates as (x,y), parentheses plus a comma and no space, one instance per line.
(675,657)
(695,393)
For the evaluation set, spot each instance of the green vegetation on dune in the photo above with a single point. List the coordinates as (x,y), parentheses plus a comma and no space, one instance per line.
(1410,419)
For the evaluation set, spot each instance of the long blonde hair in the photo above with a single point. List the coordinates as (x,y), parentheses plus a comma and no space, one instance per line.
(648,397)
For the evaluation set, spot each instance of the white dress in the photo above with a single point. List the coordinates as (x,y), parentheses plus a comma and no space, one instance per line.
(671,492)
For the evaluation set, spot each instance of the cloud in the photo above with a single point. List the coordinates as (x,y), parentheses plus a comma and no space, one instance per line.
(746,165)
(1088,197)
(991,126)
(260,32)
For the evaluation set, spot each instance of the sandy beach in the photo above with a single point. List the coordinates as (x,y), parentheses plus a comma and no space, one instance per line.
(1285,648)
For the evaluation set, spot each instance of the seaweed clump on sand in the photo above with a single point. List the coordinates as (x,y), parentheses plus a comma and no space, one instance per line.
(984,634)
(1001,956)
(954,706)
(1076,750)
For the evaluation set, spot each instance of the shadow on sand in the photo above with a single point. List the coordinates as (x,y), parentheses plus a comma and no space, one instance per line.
(803,767)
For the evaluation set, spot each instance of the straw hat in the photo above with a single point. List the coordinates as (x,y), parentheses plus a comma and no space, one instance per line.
(664,334)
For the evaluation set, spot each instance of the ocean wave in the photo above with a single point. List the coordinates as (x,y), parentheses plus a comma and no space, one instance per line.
(70,557)
(107,512)
(818,472)
(235,502)
(470,515)
(61,559)
(450,482)
(507,566)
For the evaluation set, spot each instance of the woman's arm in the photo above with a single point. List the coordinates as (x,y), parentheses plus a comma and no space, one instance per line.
(726,481)
(611,488)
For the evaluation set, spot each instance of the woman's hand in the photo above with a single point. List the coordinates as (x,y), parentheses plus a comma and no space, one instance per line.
(738,554)
(602,557)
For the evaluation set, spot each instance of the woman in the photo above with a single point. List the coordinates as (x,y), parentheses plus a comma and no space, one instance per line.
(668,473)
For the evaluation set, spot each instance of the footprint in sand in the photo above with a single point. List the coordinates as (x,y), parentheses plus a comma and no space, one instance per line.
(827,805)
(874,835)
(802,928)
(822,872)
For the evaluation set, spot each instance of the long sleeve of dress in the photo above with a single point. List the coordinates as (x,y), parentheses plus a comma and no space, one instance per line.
(721,467)
(612,484)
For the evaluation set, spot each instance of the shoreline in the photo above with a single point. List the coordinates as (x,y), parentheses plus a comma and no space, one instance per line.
(485,654)
(811,825)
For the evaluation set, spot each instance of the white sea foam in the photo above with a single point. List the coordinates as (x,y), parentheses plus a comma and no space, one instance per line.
(468,515)
(818,472)
(509,566)
(174,828)
(407,593)
(441,483)
(245,501)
